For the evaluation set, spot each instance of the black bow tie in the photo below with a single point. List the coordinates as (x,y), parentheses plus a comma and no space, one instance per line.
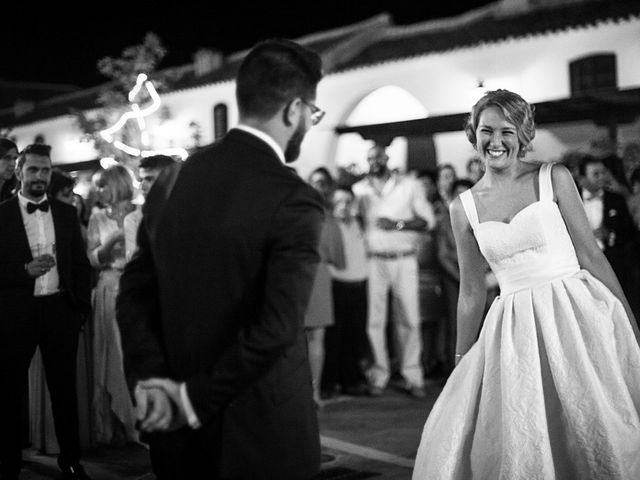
(32,207)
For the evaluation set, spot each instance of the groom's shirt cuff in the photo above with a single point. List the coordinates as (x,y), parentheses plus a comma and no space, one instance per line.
(192,418)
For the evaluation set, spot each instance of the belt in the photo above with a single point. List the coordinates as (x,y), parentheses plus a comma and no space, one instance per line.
(392,255)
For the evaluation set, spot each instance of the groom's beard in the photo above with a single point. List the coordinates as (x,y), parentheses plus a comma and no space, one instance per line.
(292,152)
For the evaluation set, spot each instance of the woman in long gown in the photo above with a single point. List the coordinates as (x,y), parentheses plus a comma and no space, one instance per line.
(550,387)
(114,419)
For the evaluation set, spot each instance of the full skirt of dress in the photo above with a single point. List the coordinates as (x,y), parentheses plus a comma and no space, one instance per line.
(551,390)
(114,415)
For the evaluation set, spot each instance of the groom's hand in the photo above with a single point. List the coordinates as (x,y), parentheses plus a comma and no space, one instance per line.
(154,411)
(164,395)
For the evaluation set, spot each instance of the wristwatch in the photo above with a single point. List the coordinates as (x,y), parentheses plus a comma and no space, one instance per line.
(399,225)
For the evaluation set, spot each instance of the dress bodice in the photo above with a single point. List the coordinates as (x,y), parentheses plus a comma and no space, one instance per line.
(99,229)
(531,249)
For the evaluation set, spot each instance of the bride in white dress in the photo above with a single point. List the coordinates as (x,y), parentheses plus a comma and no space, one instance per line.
(550,387)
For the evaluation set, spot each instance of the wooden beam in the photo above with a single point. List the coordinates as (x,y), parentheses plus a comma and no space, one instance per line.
(606,108)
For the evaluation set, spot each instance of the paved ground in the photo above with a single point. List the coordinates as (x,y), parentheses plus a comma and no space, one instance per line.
(361,438)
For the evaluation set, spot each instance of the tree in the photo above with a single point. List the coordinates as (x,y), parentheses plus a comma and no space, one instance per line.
(112,98)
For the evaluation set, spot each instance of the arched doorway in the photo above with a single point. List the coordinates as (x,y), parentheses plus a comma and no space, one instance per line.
(383,105)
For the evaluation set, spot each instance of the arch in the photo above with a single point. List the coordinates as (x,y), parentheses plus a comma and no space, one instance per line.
(386,104)
(389,103)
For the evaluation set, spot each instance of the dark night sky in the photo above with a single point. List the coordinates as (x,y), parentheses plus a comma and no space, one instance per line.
(59,44)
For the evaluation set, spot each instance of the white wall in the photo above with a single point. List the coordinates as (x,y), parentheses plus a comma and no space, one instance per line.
(196,105)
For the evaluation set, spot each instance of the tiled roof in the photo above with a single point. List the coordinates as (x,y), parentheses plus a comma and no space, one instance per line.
(322,43)
(50,107)
(30,91)
(231,65)
(405,42)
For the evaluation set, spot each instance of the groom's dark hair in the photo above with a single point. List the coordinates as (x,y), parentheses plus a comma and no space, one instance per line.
(274,73)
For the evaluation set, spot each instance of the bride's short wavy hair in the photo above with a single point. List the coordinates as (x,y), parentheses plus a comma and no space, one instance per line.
(515,109)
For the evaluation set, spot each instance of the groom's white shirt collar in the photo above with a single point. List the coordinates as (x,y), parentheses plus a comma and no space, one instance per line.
(264,137)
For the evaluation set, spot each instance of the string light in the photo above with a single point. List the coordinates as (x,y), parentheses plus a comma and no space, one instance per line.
(138,115)
(106,162)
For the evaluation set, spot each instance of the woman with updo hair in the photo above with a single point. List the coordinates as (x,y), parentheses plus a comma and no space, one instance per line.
(548,385)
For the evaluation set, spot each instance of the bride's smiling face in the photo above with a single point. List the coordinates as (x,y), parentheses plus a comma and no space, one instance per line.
(497,138)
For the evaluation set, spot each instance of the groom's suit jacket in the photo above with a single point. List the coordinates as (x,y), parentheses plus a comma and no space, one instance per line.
(216,295)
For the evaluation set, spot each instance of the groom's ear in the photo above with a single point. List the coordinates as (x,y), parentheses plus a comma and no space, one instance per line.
(285,115)
(291,112)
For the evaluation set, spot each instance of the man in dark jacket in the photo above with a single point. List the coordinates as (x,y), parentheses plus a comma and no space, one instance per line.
(8,180)
(44,299)
(612,225)
(211,305)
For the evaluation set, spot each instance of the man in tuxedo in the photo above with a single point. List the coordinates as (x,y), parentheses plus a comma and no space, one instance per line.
(611,222)
(211,305)
(44,299)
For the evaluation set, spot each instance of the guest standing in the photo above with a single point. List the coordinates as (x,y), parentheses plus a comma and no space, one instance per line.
(320,312)
(475,169)
(446,177)
(611,223)
(148,170)
(348,352)
(45,297)
(8,185)
(433,313)
(112,405)
(8,180)
(42,427)
(633,202)
(394,208)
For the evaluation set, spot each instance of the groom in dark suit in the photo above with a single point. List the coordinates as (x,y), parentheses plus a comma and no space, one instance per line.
(211,306)
(44,298)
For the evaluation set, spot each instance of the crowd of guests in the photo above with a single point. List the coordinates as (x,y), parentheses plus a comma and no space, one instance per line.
(387,283)
(383,304)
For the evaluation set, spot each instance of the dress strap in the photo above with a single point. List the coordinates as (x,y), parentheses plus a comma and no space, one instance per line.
(544,179)
(469,206)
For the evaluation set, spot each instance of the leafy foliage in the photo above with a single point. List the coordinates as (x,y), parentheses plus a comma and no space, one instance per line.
(112,99)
